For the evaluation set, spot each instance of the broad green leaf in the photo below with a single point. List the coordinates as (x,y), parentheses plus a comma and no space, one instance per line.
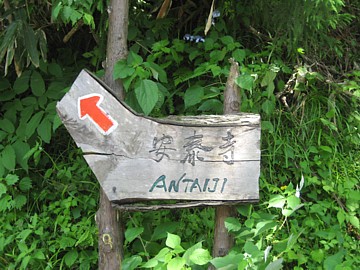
(193,95)
(122,70)
(66,242)
(55,69)
(21,83)
(211,105)
(176,263)
(200,256)
(21,148)
(268,78)
(245,81)
(162,229)
(39,255)
(268,106)
(31,45)
(277,201)
(189,251)
(3,189)
(4,84)
(25,184)
(267,125)
(229,261)
(71,257)
(331,262)
(44,130)
(134,59)
(151,263)
(318,255)
(8,157)
(293,202)
(147,94)
(173,240)
(20,201)
(11,179)
(37,84)
(33,124)
(163,253)
(132,233)
(239,55)
(232,224)
(264,225)
(56,10)
(275,265)
(131,263)
(6,125)
(354,221)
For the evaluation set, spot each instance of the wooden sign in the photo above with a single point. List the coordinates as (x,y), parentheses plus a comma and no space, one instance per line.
(135,158)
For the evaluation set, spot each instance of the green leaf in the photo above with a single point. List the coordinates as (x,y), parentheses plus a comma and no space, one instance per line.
(55,69)
(239,55)
(232,224)
(8,157)
(200,256)
(193,95)
(331,262)
(3,189)
(122,70)
(151,263)
(131,263)
(7,126)
(176,263)
(31,45)
(147,94)
(11,179)
(277,201)
(173,240)
(66,242)
(132,233)
(318,255)
(82,238)
(33,124)
(25,184)
(71,257)
(21,148)
(39,255)
(268,78)
(21,83)
(264,226)
(44,130)
(212,105)
(56,10)
(134,59)
(229,261)
(267,125)
(245,81)
(268,106)
(20,201)
(37,84)
(354,221)
(189,251)
(275,265)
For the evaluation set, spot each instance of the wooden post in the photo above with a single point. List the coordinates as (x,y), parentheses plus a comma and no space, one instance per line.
(223,241)
(109,220)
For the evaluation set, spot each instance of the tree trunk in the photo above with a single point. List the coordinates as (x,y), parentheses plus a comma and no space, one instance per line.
(223,241)
(109,220)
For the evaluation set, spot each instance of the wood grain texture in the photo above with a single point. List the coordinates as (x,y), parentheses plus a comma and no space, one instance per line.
(223,241)
(177,158)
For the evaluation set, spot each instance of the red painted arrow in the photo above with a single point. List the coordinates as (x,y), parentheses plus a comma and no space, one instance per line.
(89,107)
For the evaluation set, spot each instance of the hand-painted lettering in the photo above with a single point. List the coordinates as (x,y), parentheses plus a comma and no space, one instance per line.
(189,185)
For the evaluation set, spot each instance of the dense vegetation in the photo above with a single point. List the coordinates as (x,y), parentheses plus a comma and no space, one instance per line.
(299,63)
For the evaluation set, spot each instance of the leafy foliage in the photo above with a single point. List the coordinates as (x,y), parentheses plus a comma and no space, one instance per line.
(298,69)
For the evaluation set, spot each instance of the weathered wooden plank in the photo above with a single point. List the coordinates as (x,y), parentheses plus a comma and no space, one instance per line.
(181,158)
